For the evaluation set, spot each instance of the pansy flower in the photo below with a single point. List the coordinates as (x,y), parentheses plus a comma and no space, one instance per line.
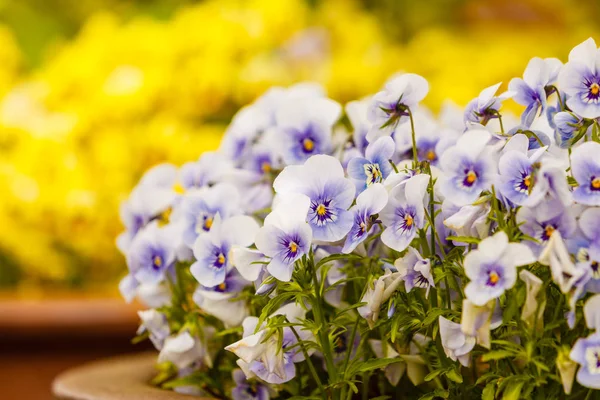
(530,91)
(199,208)
(492,267)
(322,179)
(485,107)
(151,254)
(368,204)
(415,271)
(585,165)
(378,292)
(468,168)
(456,344)
(567,126)
(580,80)
(212,248)
(586,351)
(304,127)
(183,349)
(248,390)
(375,167)
(404,214)
(218,300)
(392,105)
(540,222)
(285,236)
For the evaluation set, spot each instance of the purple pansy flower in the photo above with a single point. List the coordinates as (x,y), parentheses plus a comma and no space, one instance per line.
(586,171)
(322,179)
(151,254)
(469,168)
(199,208)
(542,221)
(211,249)
(531,90)
(586,352)
(245,390)
(415,271)
(485,107)
(567,125)
(305,128)
(580,80)
(404,214)
(368,204)
(389,107)
(492,268)
(285,236)
(375,167)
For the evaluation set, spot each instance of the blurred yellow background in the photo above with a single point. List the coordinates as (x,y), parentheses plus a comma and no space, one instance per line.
(93,92)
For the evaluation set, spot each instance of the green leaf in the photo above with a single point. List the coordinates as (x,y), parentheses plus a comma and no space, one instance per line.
(489,392)
(441,393)
(454,376)
(464,239)
(432,375)
(335,257)
(377,364)
(497,355)
(433,315)
(513,391)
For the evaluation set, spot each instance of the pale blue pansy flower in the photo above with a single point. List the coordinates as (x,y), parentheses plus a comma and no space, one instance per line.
(304,128)
(183,349)
(468,167)
(404,214)
(151,254)
(375,167)
(199,208)
(456,344)
(485,107)
(270,356)
(492,267)
(566,127)
(156,325)
(219,300)
(368,204)
(285,236)
(322,179)
(530,91)
(415,271)
(586,351)
(580,79)
(392,105)
(540,222)
(246,390)
(586,171)
(212,248)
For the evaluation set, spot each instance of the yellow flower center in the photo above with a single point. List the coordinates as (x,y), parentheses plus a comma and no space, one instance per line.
(595,89)
(157,261)
(408,220)
(527,181)
(363,227)
(293,246)
(308,144)
(321,210)
(549,230)
(471,177)
(431,156)
(164,217)
(208,223)
(494,278)
(266,167)
(178,188)
(596,183)
(222,286)
(221,259)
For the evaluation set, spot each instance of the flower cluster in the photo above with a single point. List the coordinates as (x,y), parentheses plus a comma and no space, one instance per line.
(326,250)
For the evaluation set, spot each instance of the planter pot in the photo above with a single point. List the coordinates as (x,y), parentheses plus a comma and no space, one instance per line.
(120,378)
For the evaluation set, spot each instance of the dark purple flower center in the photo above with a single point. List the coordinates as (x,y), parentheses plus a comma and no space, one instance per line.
(292,246)
(322,210)
(595,183)
(493,277)
(220,258)
(470,177)
(523,185)
(547,231)
(406,218)
(157,261)
(593,92)
(373,173)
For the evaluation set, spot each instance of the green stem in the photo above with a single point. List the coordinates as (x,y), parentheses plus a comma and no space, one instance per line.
(320,320)
(414,140)
(311,367)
